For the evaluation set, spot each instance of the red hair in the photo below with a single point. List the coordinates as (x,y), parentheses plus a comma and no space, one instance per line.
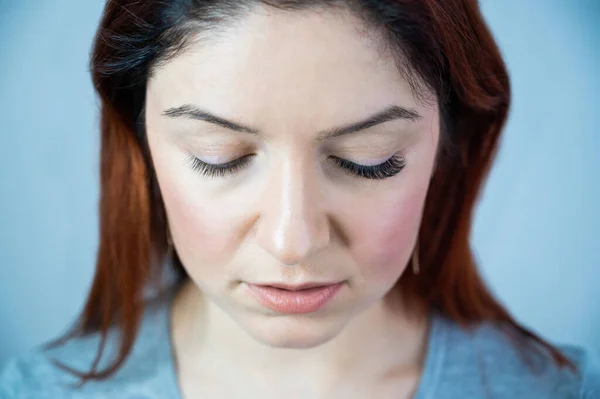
(446,43)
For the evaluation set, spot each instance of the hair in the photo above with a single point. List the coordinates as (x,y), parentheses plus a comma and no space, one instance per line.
(445,44)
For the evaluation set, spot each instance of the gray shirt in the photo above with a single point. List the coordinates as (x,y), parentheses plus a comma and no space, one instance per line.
(479,363)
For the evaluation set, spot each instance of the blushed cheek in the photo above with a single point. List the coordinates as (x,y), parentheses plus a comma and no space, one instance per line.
(201,237)
(387,236)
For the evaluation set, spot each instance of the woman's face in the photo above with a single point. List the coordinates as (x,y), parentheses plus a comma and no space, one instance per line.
(331,157)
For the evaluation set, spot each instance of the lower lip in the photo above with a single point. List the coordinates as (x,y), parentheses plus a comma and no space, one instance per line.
(294,302)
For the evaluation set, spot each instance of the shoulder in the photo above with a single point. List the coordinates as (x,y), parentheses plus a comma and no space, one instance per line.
(37,374)
(588,365)
(501,363)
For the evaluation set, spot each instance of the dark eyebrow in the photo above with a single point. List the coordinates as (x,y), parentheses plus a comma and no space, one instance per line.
(191,112)
(388,114)
(391,113)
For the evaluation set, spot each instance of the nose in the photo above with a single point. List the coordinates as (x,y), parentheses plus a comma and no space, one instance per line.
(293,224)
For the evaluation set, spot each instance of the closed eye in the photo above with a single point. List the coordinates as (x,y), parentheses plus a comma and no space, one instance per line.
(389,168)
(217,170)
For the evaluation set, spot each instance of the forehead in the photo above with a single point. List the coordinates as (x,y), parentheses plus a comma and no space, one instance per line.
(277,68)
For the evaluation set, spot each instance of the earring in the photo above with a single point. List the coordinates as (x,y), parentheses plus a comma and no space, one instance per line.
(415,258)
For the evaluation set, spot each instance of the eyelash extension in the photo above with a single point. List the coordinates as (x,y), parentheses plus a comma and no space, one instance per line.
(217,170)
(389,168)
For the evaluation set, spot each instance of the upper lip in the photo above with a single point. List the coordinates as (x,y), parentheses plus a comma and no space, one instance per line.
(297,287)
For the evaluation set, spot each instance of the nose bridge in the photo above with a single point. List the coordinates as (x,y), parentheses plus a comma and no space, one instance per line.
(292,224)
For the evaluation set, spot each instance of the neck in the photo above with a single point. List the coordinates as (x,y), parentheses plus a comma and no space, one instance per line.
(379,341)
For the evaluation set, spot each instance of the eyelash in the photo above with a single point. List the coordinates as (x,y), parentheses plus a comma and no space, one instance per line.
(218,170)
(389,168)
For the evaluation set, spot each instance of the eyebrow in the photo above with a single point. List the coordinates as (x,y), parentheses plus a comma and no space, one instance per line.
(391,113)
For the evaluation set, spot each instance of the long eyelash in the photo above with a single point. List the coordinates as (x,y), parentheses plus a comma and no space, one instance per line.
(389,168)
(217,170)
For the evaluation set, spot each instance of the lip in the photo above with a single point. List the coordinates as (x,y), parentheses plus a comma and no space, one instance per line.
(294,299)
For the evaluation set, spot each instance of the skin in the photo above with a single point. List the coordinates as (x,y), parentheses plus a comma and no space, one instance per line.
(292,215)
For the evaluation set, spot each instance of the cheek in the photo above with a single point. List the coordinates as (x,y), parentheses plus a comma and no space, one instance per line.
(199,237)
(385,235)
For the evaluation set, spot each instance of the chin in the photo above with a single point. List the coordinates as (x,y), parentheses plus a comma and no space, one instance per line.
(293,331)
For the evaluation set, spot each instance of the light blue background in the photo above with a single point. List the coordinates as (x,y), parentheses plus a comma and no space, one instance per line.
(537,227)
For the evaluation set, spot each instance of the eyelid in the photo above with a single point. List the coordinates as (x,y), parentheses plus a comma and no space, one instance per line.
(372,161)
(218,153)
(369,151)
(215,160)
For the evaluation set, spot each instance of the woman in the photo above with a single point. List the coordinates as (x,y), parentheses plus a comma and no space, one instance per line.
(286,197)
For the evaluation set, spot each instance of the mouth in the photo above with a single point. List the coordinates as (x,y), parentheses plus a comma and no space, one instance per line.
(294,299)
